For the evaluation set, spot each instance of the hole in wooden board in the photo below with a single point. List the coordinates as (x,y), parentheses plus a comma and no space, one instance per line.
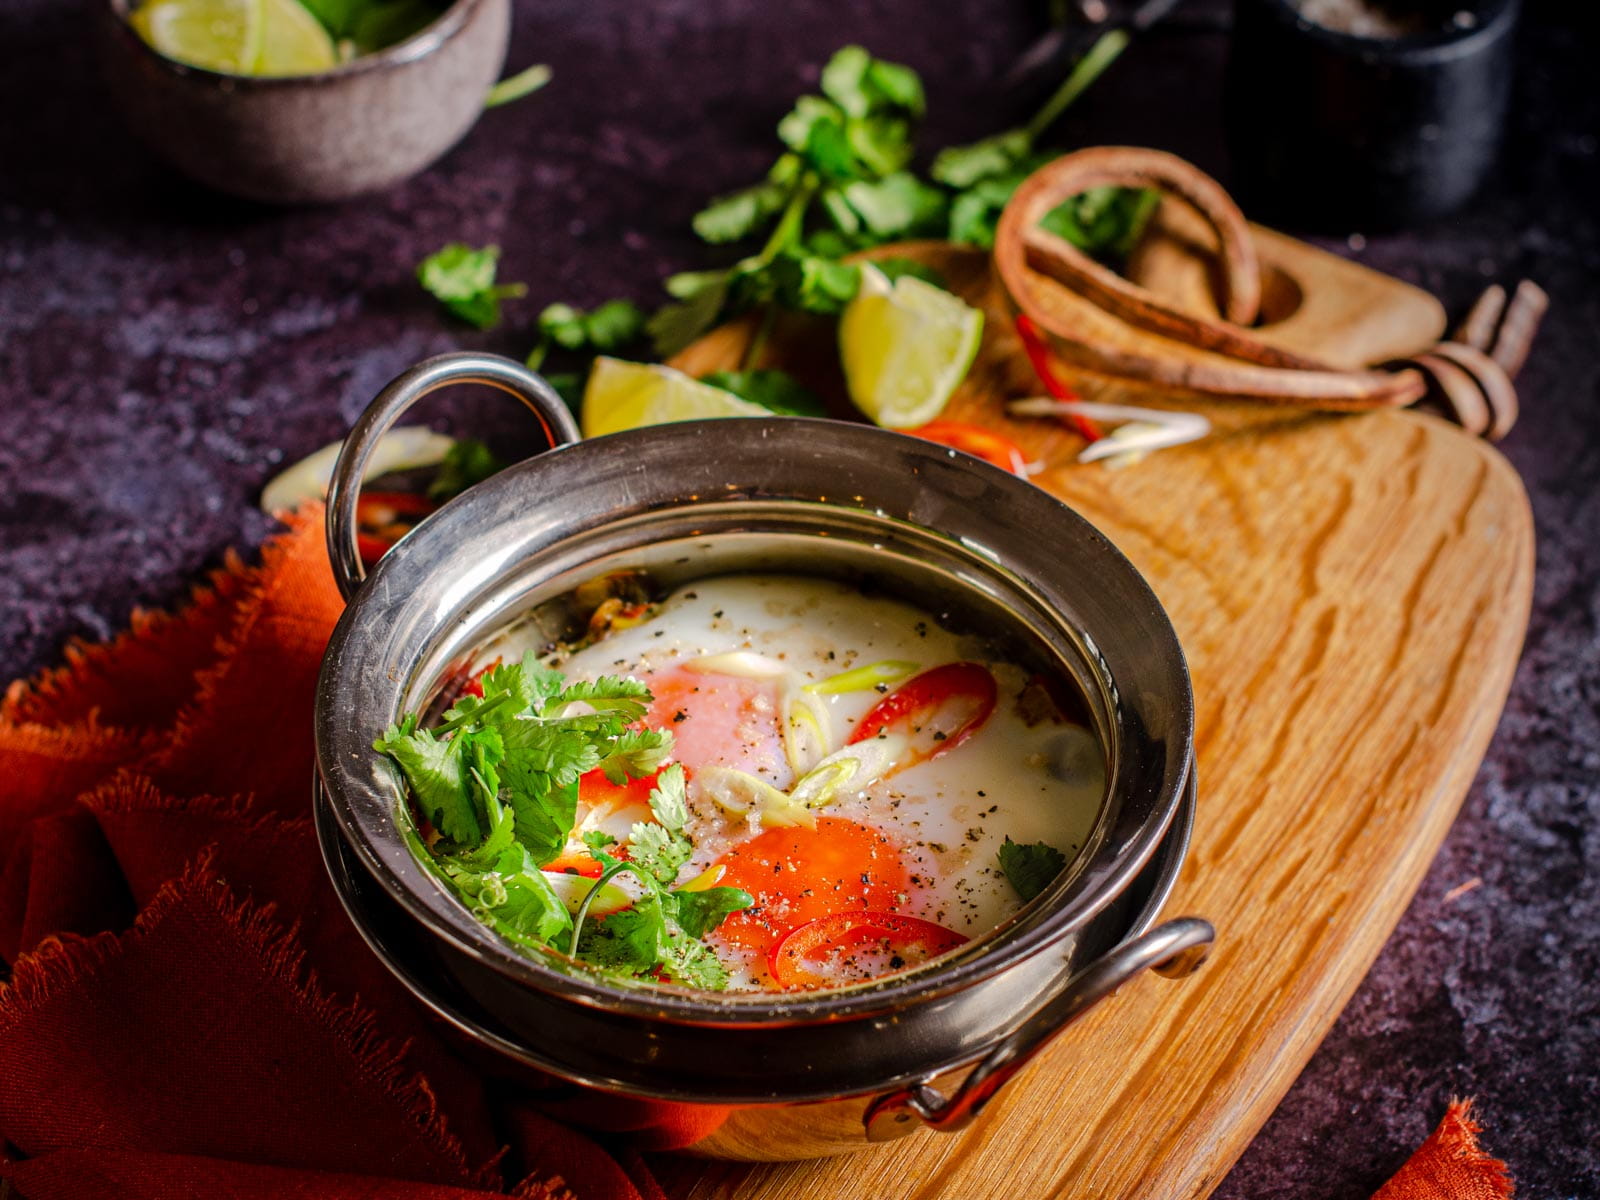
(1281,296)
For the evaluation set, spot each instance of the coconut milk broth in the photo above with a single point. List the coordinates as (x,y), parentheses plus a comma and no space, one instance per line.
(947,817)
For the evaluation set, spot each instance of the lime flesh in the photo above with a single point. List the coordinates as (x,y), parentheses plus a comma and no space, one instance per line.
(627,395)
(219,35)
(905,348)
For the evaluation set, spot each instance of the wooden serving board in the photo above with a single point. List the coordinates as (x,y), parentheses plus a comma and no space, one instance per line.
(1352,594)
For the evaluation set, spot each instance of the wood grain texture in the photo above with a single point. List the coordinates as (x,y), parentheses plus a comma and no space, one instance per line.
(1352,594)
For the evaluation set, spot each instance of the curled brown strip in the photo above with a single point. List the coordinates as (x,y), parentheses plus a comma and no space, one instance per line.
(1022,249)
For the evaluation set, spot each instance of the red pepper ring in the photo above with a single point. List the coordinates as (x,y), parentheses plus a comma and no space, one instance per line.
(981,443)
(787,962)
(912,707)
(383,518)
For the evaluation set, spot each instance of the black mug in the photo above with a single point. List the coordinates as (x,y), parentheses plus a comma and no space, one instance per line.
(1336,131)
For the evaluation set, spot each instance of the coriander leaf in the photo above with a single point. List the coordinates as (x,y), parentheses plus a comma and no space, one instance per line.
(467,462)
(844,80)
(1106,222)
(658,850)
(861,84)
(963,166)
(692,963)
(701,912)
(881,144)
(815,130)
(463,280)
(898,205)
(976,211)
(609,327)
(739,214)
(563,326)
(1030,867)
(635,754)
(844,218)
(813,284)
(897,85)
(895,267)
(598,839)
(337,16)
(669,799)
(380,23)
(568,385)
(772,389)
(701,296)
(437,774)
(614,324)
(624,697)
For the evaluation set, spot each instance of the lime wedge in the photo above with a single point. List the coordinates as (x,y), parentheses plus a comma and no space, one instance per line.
(905,348)
(219,35)
(626,395)
(293,42)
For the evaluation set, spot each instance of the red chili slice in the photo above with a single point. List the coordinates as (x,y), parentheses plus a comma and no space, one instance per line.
(383,518)
(902,936)
(937,710)
(978,442)
(1038,351)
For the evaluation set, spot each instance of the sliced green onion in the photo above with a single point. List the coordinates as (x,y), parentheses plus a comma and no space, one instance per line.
(807,730)
(744,795)
(856,766)
(859,679)
(746,664)
(515,87)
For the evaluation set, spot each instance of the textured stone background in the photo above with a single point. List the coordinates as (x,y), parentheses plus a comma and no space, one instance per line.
(162,351)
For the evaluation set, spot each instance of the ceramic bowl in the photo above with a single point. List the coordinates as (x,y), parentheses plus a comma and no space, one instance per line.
(360,127)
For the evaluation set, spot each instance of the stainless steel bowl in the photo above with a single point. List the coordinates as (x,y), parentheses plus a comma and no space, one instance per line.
(973,545)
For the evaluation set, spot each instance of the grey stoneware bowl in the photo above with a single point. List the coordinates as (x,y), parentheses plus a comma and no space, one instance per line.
(809,1073)
(361,127)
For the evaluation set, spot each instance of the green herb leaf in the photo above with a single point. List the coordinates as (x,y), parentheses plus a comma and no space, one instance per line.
(898,205)
(635,753)
(775,390)
(810,283)
(1030,867)
(1105,222)
(463,280)
(701,912)
(701,295)
(380,23)
(741,213)
(467,462)
(962,166)
(437,774)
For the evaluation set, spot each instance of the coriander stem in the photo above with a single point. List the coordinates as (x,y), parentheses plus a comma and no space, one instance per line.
(589,898)
(758,343)
(477,713)
(1101,55)
(788,227)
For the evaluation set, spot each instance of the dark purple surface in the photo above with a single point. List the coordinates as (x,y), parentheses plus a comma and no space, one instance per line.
(163,351)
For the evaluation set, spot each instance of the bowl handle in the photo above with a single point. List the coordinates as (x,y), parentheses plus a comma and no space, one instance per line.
(1174,949)
(407,388)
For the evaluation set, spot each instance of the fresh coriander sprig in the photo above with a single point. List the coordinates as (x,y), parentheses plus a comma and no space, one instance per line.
(463,280)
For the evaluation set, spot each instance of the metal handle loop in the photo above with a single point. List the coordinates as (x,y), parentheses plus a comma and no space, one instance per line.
(1176,948)
(410,386)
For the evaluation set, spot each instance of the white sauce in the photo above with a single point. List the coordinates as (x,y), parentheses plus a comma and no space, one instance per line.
(948,815)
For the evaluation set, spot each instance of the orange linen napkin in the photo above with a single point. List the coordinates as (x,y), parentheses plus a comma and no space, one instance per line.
(1450,1165)
(190,1013)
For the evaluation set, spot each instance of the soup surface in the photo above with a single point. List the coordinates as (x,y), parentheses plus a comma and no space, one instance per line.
(764,677)
(850,789)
